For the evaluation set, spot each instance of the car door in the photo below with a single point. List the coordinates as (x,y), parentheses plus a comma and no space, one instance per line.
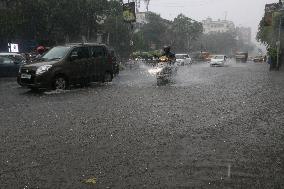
(78,64)
(8,67)
(99,59)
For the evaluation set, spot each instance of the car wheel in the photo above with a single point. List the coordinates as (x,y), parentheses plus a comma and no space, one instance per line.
(60,83)
(108,77)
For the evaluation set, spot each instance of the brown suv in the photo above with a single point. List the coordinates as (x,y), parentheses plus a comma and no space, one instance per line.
(70,64)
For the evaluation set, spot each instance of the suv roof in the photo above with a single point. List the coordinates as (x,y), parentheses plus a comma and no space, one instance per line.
(84,44)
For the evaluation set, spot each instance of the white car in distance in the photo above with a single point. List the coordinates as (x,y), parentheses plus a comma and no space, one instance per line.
(183,59)
(218,60)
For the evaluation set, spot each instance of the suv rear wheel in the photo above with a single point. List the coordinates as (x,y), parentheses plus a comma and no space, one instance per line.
(108,77)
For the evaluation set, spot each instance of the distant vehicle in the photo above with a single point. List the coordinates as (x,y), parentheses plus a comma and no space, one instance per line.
(183,59)
(218,60)
(258,59)
(241,57)
(205,56)
(9,66)
(200,56)
(70,64)
(16,56)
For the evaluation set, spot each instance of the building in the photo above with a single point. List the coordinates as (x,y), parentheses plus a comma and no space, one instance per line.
(244,34)
(272,7)
(140,20)
(221,26)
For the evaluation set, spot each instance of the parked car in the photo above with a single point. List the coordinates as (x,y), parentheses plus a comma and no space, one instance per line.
(9,66)
(258,59)
(18,57)
(70,64)
(183,59)
(218,60)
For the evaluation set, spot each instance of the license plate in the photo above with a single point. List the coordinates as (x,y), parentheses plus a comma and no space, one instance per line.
(26,76)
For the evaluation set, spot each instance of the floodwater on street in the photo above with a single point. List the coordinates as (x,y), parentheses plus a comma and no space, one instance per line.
(213,127)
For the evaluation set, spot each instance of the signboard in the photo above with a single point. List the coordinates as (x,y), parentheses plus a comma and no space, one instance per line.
(13,47)
(129,12)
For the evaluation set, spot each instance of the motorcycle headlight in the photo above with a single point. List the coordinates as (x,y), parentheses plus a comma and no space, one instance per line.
(43,69)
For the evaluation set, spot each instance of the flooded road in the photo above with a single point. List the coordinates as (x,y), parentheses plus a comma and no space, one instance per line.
(213,127)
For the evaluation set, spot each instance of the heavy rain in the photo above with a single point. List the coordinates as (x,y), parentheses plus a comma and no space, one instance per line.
(141,94)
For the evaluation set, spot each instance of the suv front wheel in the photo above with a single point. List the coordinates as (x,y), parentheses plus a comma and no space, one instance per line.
(60,83)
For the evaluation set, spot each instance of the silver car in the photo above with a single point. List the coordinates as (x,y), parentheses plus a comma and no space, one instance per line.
(183,59)
(218,60)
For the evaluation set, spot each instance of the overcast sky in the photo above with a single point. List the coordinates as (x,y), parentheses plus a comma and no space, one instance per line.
(242,12)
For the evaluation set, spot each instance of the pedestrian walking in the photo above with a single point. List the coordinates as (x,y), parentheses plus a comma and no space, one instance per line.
(272,58)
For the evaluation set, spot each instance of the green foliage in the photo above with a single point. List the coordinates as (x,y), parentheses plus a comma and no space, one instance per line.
(185,31)
(180,33)
(152,32)
(268,35)
(272,52)
(58,21)
(224,43)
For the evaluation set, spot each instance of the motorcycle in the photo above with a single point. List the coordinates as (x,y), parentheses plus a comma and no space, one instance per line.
(165,70)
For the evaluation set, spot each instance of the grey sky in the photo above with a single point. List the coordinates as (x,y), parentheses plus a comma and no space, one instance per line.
(242,12)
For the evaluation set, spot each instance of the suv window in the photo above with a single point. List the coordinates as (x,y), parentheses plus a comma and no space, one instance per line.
(98,51)
(81,52)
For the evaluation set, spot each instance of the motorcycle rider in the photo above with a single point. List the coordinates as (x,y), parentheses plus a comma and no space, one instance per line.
(167,52)
(40,52)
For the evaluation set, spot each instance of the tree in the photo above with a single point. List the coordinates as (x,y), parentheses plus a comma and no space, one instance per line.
(185,31)
(224,43)
(158,32)
(118,32)
(50,22)
(268,34)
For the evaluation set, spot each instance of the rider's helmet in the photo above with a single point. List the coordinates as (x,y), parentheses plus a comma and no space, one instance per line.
(167,49)
(40,49)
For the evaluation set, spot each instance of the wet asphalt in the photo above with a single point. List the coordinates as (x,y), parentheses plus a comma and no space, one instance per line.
(212,127)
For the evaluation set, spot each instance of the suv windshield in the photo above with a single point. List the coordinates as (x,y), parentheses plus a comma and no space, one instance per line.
(56,53)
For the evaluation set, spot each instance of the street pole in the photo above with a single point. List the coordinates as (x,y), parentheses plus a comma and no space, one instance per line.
(279,42)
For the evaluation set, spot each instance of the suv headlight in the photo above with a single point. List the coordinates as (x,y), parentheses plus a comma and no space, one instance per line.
(43,69)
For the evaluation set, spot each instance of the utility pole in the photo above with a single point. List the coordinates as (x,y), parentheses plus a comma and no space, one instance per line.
(131,25)
(278,44)
(147,5)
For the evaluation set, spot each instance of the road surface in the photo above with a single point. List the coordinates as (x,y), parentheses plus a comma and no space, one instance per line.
(214,127)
